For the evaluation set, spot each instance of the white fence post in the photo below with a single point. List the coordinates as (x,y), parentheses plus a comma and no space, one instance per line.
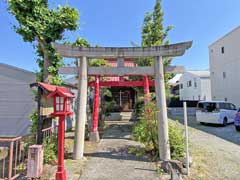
(186,136)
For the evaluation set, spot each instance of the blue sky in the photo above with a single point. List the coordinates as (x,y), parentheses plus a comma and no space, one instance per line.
(117,23)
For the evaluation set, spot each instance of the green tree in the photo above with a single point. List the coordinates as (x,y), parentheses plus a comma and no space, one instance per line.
(153,32)
(41,26)
(81,42)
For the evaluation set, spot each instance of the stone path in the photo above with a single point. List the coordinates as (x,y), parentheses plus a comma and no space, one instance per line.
(112,161)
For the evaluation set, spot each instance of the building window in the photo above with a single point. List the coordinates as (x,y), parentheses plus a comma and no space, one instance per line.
(195,84)
(224,75)
(222,50)
(211,50)
(225,99)
(181,86)
(189,83)
(199,97)
(212,73)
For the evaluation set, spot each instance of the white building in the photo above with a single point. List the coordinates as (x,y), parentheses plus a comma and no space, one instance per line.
(224,57)
(195,86)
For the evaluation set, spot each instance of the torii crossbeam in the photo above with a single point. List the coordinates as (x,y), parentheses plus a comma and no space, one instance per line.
(85,53)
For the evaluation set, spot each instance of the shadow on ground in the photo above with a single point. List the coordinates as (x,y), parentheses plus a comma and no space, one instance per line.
(118,131)
(121,153)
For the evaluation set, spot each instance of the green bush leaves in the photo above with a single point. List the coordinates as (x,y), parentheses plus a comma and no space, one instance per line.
(146,132)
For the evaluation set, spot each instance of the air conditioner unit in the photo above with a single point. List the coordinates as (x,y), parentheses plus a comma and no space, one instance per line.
(35,161)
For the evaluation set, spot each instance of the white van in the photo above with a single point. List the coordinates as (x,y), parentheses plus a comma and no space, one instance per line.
(215,112)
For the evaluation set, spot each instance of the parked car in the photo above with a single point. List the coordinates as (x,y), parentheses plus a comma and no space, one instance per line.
(215,112)
(237,120)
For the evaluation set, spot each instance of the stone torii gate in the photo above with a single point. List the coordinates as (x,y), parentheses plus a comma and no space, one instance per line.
(86,53)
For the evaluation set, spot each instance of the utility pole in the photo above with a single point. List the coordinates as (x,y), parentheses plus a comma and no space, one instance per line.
(164,147)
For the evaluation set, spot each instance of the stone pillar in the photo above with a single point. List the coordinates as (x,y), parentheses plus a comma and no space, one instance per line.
(164,146)
(146,89)
(81,110)
(94,135)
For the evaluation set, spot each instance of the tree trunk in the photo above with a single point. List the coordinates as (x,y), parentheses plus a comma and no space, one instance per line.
(46,62)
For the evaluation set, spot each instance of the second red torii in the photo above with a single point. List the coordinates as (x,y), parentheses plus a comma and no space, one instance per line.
(121,83)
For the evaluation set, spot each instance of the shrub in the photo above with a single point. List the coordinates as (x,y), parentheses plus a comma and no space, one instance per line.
(50,149)
(138,107)
(146,132)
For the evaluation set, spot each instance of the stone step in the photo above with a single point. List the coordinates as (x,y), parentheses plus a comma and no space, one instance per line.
(118,116)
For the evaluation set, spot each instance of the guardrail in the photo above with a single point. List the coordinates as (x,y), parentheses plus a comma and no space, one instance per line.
(179,111)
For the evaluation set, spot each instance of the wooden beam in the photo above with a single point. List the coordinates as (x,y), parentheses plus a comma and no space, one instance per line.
(120,71)
(171,50)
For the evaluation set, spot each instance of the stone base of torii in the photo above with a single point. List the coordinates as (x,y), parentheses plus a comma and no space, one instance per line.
(157,71)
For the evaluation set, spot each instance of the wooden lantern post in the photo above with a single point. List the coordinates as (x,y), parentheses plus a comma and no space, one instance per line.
(61,104)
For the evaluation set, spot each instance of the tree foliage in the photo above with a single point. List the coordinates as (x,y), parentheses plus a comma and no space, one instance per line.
(153,32)
(40,25)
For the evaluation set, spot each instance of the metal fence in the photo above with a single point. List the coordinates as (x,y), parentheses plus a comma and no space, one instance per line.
(12,158)
(179,111)
(48,132)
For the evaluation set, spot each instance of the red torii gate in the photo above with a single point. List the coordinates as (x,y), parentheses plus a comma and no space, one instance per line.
(97,84)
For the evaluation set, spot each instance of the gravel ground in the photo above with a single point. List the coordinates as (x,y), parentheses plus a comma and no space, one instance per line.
(215,151)
(112,160)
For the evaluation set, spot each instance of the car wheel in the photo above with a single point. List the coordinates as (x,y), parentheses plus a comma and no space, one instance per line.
(225,121)
(237,128)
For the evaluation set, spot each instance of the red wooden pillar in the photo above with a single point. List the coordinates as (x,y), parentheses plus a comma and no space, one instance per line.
(146,90)
(94,135)
(61,172)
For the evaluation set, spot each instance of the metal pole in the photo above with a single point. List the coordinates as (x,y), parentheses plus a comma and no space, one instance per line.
(40,119)
(146,89)
(186,136)
(164,146)
(120,98)
(61,172)
(10,161)
(81,111)
(94,135)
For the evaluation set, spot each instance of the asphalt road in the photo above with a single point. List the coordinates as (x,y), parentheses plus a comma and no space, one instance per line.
(215,150)
(227,133)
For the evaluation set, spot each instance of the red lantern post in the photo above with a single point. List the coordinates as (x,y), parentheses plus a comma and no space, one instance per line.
(61,102)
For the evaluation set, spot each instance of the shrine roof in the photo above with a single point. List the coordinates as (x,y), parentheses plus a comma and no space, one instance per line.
(48,88)
(61,91)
